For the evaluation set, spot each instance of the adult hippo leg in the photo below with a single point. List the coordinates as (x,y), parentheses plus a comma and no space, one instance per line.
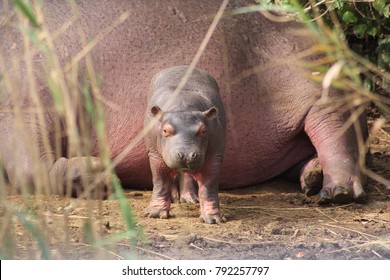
(81,174)
(18,153)
(338,154)
(163,183)
(31,166)
(208,179)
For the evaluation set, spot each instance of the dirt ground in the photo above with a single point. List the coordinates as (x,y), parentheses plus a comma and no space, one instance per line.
(271,221)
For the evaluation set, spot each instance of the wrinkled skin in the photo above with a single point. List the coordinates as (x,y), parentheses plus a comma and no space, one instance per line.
(186,139)
(274,120)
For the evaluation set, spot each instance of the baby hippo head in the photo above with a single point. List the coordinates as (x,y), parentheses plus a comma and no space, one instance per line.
(182,137)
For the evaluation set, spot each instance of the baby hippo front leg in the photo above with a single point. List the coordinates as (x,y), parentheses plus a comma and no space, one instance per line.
(207,180)
(162,186)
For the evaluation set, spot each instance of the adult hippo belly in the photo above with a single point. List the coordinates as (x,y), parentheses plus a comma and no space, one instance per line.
(274,122)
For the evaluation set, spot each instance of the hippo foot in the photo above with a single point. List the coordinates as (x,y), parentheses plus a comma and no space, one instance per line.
(339,192)
(175,195)
(186,197)
(158,209)
(213,218)
(189,197)
(210,213)
(82,177)
(96,189)
(311,177)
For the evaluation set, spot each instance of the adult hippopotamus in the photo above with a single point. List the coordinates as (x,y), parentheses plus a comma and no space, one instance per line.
(274,119)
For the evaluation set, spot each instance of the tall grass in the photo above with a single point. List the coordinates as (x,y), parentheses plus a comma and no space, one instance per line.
(78,107)
(344,69)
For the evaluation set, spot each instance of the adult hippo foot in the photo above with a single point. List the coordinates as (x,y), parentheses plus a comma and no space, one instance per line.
(311,177)
(336,186)
(86,177)
(158,209)
(342,191)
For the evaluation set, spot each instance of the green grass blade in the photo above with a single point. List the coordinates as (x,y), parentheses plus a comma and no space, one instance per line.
(27,11)
(127,212)
(36,233)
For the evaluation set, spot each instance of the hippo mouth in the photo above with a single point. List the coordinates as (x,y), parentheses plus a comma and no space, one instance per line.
(185,169)
(189,166)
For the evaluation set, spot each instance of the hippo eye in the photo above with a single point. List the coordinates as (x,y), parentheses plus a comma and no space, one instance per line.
(202,131)
(167,130)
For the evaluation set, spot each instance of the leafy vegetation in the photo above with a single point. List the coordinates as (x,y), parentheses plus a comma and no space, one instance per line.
(363,24)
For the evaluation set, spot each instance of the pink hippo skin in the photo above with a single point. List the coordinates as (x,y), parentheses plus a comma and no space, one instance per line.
(273,119)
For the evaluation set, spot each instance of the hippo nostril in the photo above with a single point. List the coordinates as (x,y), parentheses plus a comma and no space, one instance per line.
(180,155)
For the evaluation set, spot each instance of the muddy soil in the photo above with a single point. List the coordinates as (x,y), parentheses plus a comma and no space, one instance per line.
(273,220)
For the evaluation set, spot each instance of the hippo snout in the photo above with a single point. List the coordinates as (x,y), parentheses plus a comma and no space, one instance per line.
(186,161)
(191,156)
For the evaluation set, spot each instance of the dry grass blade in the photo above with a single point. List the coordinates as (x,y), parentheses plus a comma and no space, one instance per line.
(165,257)
(322,213)
(366,235)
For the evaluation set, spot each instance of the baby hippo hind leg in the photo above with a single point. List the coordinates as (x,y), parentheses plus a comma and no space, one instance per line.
(185,189)
(338,154)
(188,189)
(82,175)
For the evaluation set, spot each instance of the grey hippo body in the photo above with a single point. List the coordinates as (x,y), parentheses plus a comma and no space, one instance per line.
(274,121)
(186,138)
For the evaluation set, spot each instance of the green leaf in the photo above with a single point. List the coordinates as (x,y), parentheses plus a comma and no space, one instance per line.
(338,4)
(367,84)
(379,5)
(385,56)
(372,31)
(27,11)
(349,17)
(360,30)
(386,11)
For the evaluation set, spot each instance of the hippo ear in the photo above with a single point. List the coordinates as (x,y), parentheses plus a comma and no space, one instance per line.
(156,111)
(211,113)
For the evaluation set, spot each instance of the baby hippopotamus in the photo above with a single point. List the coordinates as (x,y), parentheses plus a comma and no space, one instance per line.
(185,136)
